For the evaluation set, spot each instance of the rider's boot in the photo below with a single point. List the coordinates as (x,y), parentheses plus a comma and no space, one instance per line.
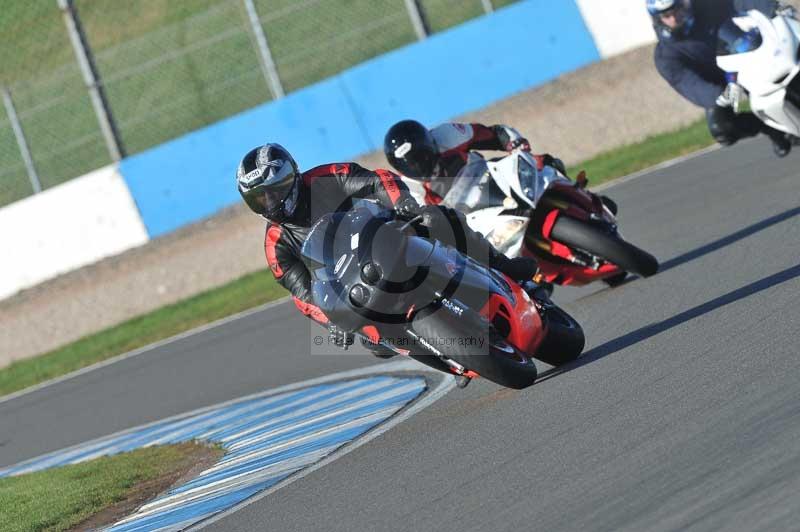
(462,381)
(539,290)
(378,350)
(781,144)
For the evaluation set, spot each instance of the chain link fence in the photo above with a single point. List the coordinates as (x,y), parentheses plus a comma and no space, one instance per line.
(167,67)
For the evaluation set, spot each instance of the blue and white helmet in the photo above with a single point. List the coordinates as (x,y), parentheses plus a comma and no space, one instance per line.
(656,8)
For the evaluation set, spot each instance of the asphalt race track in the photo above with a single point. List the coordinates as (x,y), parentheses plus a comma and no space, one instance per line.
(683,413)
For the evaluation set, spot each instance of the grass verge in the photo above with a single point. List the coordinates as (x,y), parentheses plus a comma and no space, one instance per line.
(99,492)
(173,67)
(242,294)
(651,151)
(258,288)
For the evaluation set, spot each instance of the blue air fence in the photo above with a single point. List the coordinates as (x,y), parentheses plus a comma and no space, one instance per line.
(451,73)
(174,66)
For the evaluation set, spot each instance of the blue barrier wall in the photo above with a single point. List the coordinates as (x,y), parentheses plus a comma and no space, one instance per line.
(192,177)
(451,73)
(471,66)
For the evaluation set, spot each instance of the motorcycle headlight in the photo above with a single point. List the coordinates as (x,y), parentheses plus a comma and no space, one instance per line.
(506,234)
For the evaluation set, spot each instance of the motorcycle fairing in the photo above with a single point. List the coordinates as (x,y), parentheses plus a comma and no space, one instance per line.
(770,71)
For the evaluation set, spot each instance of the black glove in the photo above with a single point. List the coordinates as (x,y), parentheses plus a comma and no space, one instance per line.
(407,208)
(340,337)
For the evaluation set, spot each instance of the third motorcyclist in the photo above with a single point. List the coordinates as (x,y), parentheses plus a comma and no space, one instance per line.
(436,156)
(685,56)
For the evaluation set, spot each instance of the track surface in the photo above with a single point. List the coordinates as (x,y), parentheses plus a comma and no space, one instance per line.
(684,413)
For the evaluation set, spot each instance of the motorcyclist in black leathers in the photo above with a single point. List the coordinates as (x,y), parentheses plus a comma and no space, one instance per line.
(272,185)
(686,58)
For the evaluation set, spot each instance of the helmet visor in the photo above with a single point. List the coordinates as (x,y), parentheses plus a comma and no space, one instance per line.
(419,163)
(268,194)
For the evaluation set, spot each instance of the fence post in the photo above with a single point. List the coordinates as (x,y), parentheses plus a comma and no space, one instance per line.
(92,79)
(21,142)
(487,6)
(264,53)
(417,17)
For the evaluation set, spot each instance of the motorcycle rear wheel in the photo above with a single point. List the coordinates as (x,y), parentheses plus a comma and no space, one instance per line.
(610,247)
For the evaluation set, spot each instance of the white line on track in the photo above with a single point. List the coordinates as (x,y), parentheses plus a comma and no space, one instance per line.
(349,393)
(442,387)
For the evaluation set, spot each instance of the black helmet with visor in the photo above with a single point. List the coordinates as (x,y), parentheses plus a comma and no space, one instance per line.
(410,148)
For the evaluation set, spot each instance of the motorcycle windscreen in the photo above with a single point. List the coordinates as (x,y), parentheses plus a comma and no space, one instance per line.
(341,238)
(474,189)
(732,40)
(534,182)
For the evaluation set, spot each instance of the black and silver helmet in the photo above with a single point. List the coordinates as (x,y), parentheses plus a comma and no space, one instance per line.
(268,180)
(411,149)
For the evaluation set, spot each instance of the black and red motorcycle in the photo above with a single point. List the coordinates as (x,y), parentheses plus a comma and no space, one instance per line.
(377,275)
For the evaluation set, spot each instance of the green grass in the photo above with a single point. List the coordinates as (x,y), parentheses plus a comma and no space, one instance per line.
(174,66)
(61,498)
(258,288)
(653,150)
(248,292)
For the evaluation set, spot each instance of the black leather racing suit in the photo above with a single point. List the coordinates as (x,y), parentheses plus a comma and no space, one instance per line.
(330,188)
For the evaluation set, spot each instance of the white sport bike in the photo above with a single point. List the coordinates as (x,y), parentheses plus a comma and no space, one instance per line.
(525,209)
(763,54)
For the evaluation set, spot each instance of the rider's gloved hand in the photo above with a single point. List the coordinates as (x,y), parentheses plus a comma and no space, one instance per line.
(511,139)
(340,337)
(408,208)
(786,10)
(730,96)
(521,143)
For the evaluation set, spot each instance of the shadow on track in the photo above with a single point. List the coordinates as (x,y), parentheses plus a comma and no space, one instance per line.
(654,329)
(728,240)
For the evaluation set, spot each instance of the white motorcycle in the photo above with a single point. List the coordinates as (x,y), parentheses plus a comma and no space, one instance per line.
(762,54)
(524,208)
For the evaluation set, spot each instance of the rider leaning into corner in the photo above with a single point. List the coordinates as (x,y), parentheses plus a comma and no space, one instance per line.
(436,156)
(686,57)
(291,201)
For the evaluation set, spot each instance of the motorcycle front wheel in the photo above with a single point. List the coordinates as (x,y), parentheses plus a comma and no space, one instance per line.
(490,356)
(564,341)
(608,246)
